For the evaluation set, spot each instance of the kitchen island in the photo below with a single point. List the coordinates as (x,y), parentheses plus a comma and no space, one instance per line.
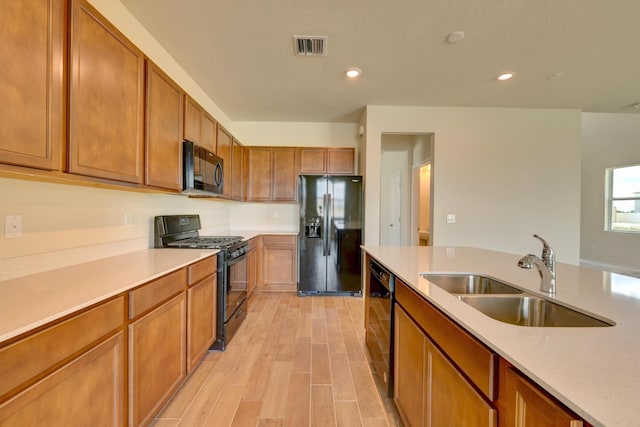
(593,371)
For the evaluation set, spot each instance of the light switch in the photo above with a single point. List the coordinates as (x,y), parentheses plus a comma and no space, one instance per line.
(12,226)
(451,218)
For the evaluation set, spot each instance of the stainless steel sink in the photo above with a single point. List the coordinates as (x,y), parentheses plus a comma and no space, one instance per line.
(529,310)
(470,284)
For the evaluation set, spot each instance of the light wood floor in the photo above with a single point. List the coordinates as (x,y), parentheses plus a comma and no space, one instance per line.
(294,362)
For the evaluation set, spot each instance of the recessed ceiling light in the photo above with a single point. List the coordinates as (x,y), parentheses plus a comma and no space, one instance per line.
(455,37)
(352,73)
(506,76)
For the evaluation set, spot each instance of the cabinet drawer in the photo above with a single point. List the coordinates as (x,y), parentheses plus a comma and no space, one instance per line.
(153,293)
(278,240)
(476,361)
(201,269)
(35,354)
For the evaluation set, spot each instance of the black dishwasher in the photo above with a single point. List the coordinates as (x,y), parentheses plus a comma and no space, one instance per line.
(379,333)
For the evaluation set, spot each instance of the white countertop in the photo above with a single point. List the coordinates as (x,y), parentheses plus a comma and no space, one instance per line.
(250,234)
(31,301)
(594,371)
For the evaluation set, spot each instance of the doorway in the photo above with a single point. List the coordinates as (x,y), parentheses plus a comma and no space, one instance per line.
(424,204)
(406,199)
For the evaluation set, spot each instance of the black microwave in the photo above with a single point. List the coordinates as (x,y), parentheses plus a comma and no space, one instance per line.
(202,171)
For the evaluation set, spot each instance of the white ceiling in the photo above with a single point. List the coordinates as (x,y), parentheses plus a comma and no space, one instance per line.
(241,53)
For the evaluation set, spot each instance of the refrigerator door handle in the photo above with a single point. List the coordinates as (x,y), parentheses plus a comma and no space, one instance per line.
(324,225)
(328,215)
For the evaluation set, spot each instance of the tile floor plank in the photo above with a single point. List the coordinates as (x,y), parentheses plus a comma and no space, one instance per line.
(322,407)
(341,379)
(368,397)
(224,410)
(320,365)
(247,414)
(347,414)
(298,400)
(274,404)
(302,355)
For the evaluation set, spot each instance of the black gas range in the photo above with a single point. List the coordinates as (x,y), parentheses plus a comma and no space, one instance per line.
(181,231)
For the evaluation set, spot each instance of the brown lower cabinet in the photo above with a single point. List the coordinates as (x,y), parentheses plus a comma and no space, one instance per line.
(445,377)
(252,264)
(71,373)
(280,263)
(116,363)
(524,404)
(429,390)
(157,354)
(201,310)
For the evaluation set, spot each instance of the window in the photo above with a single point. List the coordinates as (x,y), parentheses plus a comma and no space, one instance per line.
(623,199)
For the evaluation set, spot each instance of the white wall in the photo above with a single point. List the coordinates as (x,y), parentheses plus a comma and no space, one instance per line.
(608,140)
(505,173)
(297,134)
(265,216)
(65,224)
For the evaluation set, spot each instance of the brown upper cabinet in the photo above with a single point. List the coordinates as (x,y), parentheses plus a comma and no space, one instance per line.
(199,126)
(106,99)
(332,161)
(224,151)
(163,137)
(33,40)
(237,176)
(271,173)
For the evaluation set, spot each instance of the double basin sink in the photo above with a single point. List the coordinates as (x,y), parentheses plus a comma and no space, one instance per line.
(506,303)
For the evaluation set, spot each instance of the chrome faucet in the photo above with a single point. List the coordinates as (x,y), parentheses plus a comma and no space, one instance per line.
(546,265)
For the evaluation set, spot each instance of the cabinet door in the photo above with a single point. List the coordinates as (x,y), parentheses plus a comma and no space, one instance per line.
(285,174)
(259,173)
(208,132)
(163,139)
(313,161)
(450,398)
(252,270)
(88,391)
(237,186)
(157,365)
(280,263)
(192,120)
(201,323)
(106,99)
(409,369)
(224,151)
(340,161)
(32,36)
(525,405)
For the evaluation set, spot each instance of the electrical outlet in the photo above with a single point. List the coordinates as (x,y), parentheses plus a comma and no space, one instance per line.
(451,218)
(12,226)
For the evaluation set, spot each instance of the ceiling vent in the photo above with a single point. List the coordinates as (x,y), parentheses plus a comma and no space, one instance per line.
(310,45)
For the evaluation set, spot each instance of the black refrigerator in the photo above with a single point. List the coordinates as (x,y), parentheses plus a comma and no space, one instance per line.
(329,257)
